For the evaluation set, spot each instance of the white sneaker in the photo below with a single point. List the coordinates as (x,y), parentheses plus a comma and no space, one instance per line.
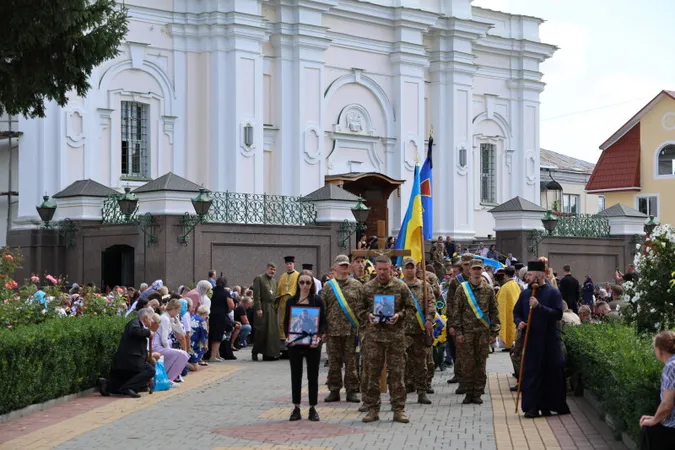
(174,385)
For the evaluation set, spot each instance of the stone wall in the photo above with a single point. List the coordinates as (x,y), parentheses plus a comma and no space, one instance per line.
(239,251)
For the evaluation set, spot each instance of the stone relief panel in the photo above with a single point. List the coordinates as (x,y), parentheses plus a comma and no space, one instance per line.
(75,127)
(668,121)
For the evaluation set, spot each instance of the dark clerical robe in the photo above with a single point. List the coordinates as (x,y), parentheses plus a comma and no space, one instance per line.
(543,383)
(266,339)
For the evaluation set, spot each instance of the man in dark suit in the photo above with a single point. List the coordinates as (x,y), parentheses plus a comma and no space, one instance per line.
(570,289)
(131,371)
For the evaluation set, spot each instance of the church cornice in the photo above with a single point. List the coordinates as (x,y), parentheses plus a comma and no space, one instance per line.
(521,48)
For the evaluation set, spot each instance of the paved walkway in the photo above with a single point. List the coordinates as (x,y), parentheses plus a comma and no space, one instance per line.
(245,404)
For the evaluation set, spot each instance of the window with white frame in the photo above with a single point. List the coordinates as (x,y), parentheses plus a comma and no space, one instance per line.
(667,160)
(571,203)
(135,145)
(648,204)
(601,203)
(488,176)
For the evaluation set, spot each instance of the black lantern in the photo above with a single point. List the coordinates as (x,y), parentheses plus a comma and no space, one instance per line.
(46,209)
(550,221)
(127,202)
(650,225)
(202,203)
(360,211)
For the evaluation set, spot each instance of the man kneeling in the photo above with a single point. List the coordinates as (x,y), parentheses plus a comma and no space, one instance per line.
(131,371)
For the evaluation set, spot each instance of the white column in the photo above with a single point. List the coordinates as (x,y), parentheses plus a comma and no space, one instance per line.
(236,78)
(300,41)
(452,72)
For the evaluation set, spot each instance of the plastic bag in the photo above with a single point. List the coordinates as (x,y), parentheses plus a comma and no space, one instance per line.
(161,381)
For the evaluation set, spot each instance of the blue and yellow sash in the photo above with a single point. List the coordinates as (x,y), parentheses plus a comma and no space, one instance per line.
(460,278)
(473,303)
(343,303)
(418,310)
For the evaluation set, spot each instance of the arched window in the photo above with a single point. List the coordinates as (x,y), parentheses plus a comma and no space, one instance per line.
(667,160)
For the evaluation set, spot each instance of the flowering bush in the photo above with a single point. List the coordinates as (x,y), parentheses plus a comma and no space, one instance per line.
(652,296)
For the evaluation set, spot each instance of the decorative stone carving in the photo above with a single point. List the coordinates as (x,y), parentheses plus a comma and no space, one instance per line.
(75,127)
(531,165)
(169,122)
(354,121)
(668,121)
(311,146)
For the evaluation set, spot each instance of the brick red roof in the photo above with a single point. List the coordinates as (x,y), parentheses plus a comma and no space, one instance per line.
(619,165)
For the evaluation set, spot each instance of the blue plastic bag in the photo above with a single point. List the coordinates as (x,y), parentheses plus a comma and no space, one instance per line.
(161,381)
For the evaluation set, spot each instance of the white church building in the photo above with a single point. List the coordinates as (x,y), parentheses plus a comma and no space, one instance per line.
(273,96)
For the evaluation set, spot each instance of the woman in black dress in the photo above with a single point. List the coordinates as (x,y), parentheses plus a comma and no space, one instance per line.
(219,322)
(305,296)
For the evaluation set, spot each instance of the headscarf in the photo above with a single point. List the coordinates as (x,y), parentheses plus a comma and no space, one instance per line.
(203,287)
(156,285)
(183,306)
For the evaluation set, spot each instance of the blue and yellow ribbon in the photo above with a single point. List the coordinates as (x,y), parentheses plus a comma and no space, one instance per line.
(418,310)
(473,303)
(343,303)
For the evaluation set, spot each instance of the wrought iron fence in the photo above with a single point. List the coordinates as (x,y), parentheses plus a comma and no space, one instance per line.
(112,214)
(582,225)
(263,209)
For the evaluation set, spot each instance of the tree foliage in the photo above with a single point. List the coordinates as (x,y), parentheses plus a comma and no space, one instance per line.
(49,47)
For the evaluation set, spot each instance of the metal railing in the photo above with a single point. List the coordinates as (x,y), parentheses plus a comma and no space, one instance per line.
(262,209)
(582,225)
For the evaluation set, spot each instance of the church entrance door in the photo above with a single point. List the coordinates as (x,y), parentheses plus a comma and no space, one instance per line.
(117,266)
(375,189)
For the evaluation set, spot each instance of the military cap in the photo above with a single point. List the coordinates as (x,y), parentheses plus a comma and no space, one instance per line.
(476,263)
(341,260)
(466,258)
(456,262)
(408,260)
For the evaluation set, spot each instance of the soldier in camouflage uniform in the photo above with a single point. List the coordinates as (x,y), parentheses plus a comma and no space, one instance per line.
(438,257)
(472,335)
(432,281)
(358,269)
(341,334)
(384,341)
(465,262)
(417,350)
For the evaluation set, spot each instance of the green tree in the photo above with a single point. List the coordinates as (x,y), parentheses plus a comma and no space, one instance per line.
(49,47)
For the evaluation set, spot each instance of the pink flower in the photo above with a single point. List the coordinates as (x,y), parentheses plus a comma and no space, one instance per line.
(34,279)
(9,326)
(51,279)
(11,284)
(9,257)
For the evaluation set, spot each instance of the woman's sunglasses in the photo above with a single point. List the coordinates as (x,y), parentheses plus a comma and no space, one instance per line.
(308,283)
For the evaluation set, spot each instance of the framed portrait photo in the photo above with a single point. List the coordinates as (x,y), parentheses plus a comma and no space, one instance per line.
(384,308)
(303,326)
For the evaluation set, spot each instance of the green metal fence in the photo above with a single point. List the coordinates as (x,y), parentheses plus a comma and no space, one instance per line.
(263,209)
(582,225)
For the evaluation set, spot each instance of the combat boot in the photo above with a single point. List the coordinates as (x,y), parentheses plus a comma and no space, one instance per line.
(454,379)
(353,397)
(334,396)
(422,398)
(477,400)
(372,416)
(400,417)
(430,390)
(468,399)
(364,408)
(460,390)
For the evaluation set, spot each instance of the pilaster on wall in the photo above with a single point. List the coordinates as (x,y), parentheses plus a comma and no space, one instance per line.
(236,87)
(409,61)
(300,41)
(451,74)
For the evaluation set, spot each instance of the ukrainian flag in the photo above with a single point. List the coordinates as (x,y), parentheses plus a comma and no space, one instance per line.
(425,191)
(409,235)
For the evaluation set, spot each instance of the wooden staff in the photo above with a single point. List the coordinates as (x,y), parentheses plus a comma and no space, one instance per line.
(527,335)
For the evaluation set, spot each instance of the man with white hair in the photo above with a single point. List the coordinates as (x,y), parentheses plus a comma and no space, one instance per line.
(543,380)
(131,371)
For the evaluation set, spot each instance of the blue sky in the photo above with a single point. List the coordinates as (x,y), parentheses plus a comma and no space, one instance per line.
(615,56)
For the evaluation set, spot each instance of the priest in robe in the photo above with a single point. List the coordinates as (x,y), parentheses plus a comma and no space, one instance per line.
(507,296)
(543,381)
(265,325)
(286,288)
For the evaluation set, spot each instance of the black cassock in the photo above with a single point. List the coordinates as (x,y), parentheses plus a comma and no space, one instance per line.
(543,383)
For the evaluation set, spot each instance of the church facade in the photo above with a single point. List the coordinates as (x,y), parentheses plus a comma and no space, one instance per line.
(277,96)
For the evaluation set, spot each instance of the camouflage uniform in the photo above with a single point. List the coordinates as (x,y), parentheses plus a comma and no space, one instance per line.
(475,349)
(437,259)
(516,351)
(416,349)
(451,312)
(341,336)
(383,341)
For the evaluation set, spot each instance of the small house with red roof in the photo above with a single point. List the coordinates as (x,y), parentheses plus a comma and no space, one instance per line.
(637,165)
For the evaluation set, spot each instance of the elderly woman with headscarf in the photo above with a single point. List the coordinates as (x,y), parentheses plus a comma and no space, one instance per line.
(587,292)
(199,295)
(174,360)
(146,293)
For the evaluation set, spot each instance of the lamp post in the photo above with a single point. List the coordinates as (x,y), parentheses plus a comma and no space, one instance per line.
(128,202)
(650,225)
(347,228)
(201,204)
(550,221)
(65,228)
(128,205)
(536,236)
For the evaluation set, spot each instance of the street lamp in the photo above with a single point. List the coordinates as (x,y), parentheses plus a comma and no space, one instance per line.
(65,228)
(201,204)
(550,221)
(128,202)
(650,225)
(347,228)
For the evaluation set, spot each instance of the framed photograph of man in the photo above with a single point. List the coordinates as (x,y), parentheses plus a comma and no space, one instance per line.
(384,308)
(303,325)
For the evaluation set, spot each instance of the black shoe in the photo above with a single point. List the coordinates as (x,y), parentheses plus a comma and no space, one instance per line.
(269,358)
(103,387)
(531,414)
(295,415)
(477,400)
(453,380)
(254,356)
(506,349)
(563,411)
(130,393)
(467,400)
(546,413)
(430,390)
(514,388)
(313,415)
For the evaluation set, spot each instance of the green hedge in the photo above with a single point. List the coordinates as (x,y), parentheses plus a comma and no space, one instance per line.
(56,358)
(619,367)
